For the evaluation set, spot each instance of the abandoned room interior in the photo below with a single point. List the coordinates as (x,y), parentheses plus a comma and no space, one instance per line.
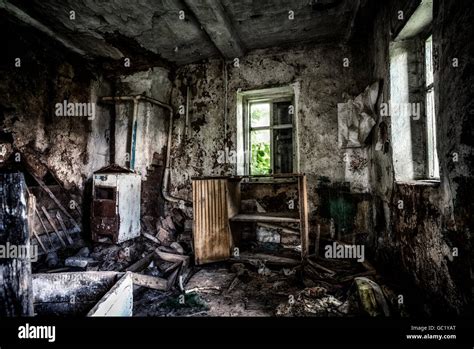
(181,158)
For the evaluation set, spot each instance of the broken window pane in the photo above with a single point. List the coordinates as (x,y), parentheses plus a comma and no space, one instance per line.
(260,115)
(283,150)
(260,150)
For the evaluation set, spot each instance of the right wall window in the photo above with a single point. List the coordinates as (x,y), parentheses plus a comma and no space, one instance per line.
(433,165)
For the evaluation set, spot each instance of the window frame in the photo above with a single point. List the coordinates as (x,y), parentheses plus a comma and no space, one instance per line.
(432,159)
(271,100)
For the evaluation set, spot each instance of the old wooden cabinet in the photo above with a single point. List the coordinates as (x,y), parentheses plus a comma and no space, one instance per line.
(115,206)
(217,203)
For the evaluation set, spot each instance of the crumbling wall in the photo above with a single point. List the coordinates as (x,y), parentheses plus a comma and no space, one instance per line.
(71,147)
(152,132)
(418,226)
(321,79)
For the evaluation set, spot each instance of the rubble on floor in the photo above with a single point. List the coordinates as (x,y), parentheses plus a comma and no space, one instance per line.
(255,284)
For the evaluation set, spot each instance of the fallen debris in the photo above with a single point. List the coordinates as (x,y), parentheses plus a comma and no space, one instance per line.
(148,281)
(171,257)
(79,262)
(367,298)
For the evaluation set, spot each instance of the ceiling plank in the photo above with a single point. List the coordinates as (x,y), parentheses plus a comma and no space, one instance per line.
(216,23)
(25,18)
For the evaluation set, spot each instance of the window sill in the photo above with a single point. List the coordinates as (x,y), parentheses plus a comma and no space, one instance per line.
(420,182)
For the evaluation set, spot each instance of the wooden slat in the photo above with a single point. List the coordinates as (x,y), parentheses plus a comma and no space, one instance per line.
(56,201)
(44,226)
(51,222)
(303,203)
(262,217)
(63,228)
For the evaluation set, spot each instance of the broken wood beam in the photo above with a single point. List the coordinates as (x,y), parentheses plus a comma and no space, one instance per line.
(320,267)
(254,258)
(64,229)
(141,264)
(44,227)
(212,16)
(39,241)
(148,281)
(51,222)
(151,238)
(56,201)
(167,249)
(171,257)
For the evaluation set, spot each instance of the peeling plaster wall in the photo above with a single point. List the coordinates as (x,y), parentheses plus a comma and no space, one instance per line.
(72,147)
(152,133)
(417,241)
(152,120)
(322,80)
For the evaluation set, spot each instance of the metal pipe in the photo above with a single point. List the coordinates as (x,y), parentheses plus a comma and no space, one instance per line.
(164,187)
(133,143)
(186,123)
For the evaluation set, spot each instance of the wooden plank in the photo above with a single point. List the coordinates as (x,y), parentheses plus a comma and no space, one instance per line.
(320,267)
(303,205)
(64,229)
(141,264)
(31,211)
(267,258)
(279,227)
(118,301)
(39,241)
(264,217)
(16,291)
(56,201)
(171,257)
(48,217)
(151,238)
(44,227)
(31,218)
(153,282)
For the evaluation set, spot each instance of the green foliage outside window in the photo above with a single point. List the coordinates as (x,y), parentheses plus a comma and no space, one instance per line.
(260,164)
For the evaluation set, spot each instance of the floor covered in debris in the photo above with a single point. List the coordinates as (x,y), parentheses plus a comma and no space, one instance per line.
(247,288)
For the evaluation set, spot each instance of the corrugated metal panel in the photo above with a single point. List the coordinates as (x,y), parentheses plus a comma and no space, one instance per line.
(212,238)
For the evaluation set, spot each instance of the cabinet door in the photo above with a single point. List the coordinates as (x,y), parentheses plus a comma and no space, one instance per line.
(212,239)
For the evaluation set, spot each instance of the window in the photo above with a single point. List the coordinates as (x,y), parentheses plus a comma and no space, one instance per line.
(433,165)
(270,140)
(412,99)
(267,128)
